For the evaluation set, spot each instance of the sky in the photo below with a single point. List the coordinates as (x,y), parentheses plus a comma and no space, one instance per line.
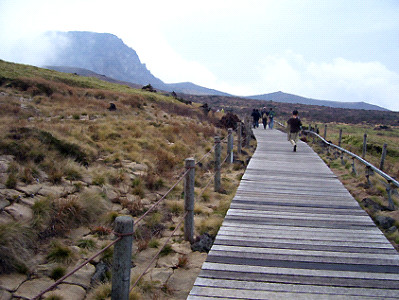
(341,50)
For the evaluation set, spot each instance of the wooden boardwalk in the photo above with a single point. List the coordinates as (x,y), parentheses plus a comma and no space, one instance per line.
(294,232)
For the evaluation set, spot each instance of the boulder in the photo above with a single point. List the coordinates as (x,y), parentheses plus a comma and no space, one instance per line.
(19,212)
(203,243)
(182,281)
(111,194)
(161,274)
(30,190)
(183,248)
(169,261)
(10,194)
(384,222)
(372,205)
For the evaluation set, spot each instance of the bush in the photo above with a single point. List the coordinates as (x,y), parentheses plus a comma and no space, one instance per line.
(60,253)
(57,273)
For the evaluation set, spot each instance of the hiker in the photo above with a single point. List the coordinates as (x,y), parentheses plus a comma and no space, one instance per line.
(264,114)
(294,127)
(256,115)
(271,115)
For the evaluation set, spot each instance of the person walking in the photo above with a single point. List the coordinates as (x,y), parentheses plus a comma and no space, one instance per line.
(271,115)
(294,127)
(256,115)
(264,114)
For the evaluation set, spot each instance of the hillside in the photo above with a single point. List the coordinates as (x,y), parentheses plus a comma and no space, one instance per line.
(69,166)
(289,98)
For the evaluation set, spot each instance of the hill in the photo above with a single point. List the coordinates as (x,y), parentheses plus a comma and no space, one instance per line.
(69,166)
(107,55)
(289,98)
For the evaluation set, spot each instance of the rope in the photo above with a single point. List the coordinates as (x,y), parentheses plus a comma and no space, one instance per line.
(156,255)
(162,198)
(76,269)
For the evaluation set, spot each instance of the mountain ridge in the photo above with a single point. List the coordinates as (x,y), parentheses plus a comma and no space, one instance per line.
(111,59)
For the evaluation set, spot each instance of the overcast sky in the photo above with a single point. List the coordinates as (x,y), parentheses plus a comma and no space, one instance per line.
(332,50)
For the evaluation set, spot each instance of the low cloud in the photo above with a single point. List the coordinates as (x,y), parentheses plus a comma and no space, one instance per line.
(339,80)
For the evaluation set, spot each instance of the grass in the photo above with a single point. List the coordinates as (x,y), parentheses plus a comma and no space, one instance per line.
(57,273)
(60,253)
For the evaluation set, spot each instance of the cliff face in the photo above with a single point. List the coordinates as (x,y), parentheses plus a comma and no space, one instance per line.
(102,53)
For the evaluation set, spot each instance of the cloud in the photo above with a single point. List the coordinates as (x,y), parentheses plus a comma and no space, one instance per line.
(339,80)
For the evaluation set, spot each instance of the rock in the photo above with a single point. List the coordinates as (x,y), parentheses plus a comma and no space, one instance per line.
(11,282)
(391,229)
(30,190)
(99,274)
(161,274)
(4,203)
(5,218)
(4,295)
(384,222)
(11,195)
(68,292)
(111,194)
(182,281)
(32,288)
(20,212)
(372,205)
(196,259)
(30,201)
(183,248)
(169,261)
(203,243)
(83,276)
(55,191)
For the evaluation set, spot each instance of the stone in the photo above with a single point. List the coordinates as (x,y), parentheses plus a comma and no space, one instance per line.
(111,194)
(372,205)
(169,261)
(5,295)
(54,191)
(99,274)
(32,288)
(183,248)
(196,259)
(83,276)
(384,222)
(5,217)
(182,281)
(4,203)
(11,282)
(161,275)
(68,292)
(11,195)
(203,243)
(391,229)
(19,212)
(30,190)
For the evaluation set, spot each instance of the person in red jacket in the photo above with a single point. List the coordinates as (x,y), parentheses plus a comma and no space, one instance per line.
(294,127)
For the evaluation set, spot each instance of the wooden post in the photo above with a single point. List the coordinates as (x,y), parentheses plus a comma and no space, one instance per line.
(239,142)
(230,146)
(122,260)
(364,145)
(389,189)
(340,138)
(384,153)
(189,200)
(325,132)
(217,163)
(353,166)
(247,133)
(368,173)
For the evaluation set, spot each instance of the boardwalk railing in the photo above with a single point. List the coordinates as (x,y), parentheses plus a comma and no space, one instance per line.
(124,224)
(392,183)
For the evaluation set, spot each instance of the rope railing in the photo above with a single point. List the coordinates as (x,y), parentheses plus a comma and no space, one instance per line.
(130,233)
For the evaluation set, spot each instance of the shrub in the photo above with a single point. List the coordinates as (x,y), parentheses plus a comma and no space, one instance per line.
(153,243)
(57,273)
(86,244)
(16,243)
(11,182)
(59,253)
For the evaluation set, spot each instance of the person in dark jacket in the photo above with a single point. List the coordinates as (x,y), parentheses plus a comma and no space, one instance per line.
(256,115)
(294,127)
